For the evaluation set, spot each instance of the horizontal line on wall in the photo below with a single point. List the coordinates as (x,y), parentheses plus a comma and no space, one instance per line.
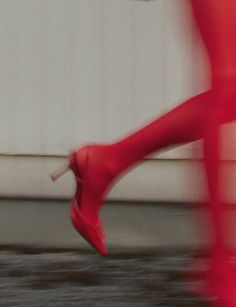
(39,155)
(157,180)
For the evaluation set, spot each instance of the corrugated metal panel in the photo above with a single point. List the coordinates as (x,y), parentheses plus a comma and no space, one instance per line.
(74,71)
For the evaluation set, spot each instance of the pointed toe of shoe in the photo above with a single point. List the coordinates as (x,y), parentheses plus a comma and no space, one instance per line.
(93,234)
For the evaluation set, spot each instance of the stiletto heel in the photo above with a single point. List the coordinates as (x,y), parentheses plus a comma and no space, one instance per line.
(58,173)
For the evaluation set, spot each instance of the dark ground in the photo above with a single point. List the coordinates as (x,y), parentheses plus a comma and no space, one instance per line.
(34,277)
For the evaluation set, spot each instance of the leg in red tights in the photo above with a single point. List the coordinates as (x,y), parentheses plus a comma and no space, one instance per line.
(217,22)
(181,125)
(107,162)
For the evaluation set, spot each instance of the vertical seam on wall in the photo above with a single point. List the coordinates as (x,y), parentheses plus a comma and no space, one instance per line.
(103,118)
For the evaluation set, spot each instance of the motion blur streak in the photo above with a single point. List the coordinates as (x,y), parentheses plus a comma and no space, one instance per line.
(216,20)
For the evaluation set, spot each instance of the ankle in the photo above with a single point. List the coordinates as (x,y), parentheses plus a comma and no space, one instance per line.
(115,163)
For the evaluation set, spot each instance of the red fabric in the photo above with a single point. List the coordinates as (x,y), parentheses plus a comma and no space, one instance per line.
(217,23)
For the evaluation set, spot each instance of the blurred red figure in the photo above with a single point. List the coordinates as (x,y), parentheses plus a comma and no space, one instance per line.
(216,20)
(98,166)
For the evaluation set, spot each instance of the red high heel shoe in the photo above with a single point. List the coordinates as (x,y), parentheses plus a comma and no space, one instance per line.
(92,230)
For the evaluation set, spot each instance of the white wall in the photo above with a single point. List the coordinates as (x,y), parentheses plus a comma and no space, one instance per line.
(80,70)
(74,71)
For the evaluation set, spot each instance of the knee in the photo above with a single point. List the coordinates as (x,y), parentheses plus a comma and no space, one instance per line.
(222,104)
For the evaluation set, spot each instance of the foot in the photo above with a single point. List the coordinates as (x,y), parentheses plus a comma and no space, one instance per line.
(94,177)
(218,282)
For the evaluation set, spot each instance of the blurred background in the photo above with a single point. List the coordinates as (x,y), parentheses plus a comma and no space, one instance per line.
(78,71)
(75,71)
